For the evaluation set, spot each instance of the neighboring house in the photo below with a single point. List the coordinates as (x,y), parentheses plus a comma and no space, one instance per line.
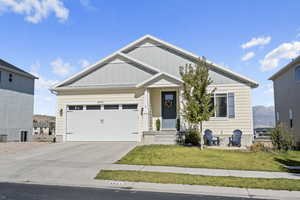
(43,125)
(16,102)
(286,84)
(120,97)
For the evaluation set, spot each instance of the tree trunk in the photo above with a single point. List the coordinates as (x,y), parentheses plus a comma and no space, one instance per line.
(201,137)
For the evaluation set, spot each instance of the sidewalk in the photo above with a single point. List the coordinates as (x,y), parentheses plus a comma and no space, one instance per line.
(206,172)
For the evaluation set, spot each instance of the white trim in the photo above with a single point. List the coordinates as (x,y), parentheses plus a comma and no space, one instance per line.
(104,61)
(18,72)
(192,55)
(161,74)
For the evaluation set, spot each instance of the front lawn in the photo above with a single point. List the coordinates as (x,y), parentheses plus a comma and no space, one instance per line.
(180,156)
(173,178)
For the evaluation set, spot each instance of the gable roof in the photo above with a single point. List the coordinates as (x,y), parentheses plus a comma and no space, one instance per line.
(285,68)
(160,75)
(9,67)
(193,56)
(104,61)
(157,41)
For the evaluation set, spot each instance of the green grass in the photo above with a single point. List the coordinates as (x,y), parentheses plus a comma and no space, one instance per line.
(173,178)
(180,156)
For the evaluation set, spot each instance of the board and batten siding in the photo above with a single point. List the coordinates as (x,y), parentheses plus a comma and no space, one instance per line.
(124,96)
(243,119)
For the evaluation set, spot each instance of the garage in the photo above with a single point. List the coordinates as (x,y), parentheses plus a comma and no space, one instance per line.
(110,122)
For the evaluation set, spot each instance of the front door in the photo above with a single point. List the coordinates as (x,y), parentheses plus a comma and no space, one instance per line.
(168,110)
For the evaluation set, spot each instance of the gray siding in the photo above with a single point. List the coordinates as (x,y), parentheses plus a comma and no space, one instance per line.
(16,105)
(16,111)
(19,83)
(287,96)
(169,61)
(114,73)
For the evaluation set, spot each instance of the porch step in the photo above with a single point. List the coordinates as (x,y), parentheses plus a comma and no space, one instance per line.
(167,137)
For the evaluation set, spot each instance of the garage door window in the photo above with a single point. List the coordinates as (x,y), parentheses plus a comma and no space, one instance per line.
(111,107)
(75,107)
(93,107)
(129,106)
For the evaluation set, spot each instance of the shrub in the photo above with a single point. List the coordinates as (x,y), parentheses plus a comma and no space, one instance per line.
(192,137)
(281,137)
(258,147)
(157,123)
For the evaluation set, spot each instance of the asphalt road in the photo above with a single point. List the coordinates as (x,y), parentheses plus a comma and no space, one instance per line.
(12,191)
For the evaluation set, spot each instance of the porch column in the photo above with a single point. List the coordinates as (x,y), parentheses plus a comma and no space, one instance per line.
(146,109)
(180,99)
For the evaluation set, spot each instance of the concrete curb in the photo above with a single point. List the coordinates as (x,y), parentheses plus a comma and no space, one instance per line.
(175,188)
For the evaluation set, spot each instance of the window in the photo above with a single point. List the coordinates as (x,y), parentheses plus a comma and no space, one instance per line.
(129,106)
(297,73)
(76,107)
(111,107)
(221,105)
(93,107)
(10,78)
(277,116)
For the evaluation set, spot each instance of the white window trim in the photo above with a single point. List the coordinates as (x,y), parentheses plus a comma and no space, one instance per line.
(221,118)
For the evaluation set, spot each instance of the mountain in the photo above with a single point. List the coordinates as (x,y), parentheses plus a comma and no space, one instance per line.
(263,116)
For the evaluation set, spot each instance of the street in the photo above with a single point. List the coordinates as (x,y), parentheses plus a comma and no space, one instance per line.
(12,191)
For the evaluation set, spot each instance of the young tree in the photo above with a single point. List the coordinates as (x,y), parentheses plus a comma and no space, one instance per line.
(197,105)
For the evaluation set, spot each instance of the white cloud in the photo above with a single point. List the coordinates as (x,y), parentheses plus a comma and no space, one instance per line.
(283,51)
(259,41)
(61,68)
(248,56)
(268,88)
(84,63)
(42,83)
(36,10)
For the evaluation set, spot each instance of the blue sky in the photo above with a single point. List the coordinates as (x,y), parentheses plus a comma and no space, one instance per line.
(57,38)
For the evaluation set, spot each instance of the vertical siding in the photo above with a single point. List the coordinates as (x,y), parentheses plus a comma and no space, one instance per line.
(169,61)
(93,97)
(16,111)
(287,96)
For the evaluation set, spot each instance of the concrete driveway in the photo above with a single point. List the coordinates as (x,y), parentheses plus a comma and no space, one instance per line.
(61,163)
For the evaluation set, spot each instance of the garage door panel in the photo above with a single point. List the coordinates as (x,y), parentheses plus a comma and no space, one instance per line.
(102,125)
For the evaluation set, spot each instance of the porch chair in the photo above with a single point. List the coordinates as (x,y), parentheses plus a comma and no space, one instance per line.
(209,139)
(235,139)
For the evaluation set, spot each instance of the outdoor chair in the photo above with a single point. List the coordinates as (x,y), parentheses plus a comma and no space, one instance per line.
(209,139)
(235,139)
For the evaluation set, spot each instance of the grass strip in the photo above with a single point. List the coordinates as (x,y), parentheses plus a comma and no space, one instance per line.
(175,178)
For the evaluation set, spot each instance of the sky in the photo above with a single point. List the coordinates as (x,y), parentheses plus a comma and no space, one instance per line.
(54,39)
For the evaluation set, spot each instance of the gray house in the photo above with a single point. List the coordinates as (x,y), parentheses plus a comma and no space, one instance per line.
(287,96)
(16,102)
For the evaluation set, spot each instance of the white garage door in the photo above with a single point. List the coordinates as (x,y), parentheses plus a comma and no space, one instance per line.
(102,123)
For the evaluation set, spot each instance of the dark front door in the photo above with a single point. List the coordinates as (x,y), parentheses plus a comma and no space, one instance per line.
(168,109)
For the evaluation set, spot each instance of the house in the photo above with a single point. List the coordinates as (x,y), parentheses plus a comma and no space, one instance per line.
(16,102)
(43,125)
(120,97)
(286,84)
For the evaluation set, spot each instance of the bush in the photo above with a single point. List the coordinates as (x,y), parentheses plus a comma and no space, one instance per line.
(192,137)
(157,123)
(282,138)
(258,147)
